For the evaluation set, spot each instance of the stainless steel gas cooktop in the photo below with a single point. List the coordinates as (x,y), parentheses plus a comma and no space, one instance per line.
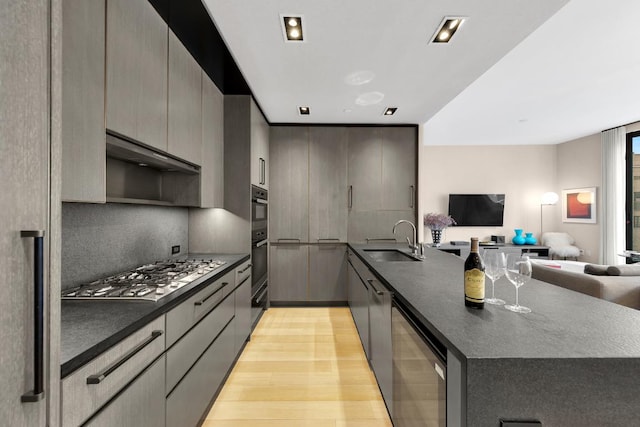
(148,282)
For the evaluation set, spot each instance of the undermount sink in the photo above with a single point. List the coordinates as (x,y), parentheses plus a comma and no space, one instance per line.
(389,255)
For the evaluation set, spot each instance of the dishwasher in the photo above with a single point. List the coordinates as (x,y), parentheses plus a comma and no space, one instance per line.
(419,372)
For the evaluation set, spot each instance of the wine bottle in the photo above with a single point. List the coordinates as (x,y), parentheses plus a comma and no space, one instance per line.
(474,277)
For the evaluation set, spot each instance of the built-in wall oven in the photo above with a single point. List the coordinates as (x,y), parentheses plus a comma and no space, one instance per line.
(259,250)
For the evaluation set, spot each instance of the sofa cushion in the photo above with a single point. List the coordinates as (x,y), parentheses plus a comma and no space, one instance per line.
(596,269)
(624,270)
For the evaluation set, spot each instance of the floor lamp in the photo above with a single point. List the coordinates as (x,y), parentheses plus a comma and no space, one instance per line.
(549,198)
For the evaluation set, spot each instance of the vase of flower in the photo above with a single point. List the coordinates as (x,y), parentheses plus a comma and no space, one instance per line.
(436,236)
(437,222)
(518,239)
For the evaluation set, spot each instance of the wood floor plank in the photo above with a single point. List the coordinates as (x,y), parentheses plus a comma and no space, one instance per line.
(302,367)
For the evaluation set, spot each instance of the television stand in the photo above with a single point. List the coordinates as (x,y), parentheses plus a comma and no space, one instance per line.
(537,251)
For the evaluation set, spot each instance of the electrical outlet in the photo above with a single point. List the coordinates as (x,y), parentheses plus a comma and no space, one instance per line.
(175,249)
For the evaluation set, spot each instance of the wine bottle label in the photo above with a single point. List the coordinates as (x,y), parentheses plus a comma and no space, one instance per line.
(474,285)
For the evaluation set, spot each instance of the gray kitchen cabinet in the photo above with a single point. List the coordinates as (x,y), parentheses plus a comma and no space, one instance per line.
(328,193)
(365,162)
(91,386)
(29,172)
(240,122)
(381,177)
(358,301)
(259,148)
(327,272)
(136,73)
(380,338)
(83,82)
(289,195)
(188,401)
(184,353)
(184,138)
(288,273)
(399,162)
(243,313)
(212,164)
(141,404)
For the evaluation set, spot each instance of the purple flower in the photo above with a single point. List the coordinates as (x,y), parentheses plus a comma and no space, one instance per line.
(436,221)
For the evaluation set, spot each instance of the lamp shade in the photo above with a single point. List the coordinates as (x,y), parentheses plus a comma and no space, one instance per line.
(549,198)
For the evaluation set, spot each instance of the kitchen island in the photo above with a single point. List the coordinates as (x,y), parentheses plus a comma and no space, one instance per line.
(573,361)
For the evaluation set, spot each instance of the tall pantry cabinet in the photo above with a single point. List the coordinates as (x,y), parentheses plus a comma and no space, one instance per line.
(331,185)
(30,107)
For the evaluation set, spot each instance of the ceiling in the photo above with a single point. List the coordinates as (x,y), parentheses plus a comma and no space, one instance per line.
(517,71)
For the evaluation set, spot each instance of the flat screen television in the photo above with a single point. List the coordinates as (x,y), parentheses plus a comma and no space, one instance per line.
(477,209)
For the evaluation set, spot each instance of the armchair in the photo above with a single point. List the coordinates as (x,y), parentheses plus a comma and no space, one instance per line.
(560,245)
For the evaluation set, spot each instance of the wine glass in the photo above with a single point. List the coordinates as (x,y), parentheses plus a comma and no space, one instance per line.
(518,272)
(494,266)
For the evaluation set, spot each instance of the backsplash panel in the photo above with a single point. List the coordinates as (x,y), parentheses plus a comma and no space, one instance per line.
(103,239)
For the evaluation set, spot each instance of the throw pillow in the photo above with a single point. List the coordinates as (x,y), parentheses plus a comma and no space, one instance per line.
(624,270)
(596,269)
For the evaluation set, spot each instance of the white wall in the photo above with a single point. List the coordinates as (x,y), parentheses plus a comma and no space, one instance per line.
(522,173)
(580,165)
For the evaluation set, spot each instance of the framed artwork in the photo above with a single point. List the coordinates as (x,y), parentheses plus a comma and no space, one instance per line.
(579,205)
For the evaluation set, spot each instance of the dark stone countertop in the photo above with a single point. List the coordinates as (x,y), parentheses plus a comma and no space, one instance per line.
(90,327)
(562,324)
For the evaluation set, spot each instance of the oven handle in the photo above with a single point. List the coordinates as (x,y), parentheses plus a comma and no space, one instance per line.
(101,376)
(37,393)
(260,243)
(259,297)
(261,201)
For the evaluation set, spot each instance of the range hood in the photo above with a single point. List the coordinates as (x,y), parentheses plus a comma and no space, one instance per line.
(122,148)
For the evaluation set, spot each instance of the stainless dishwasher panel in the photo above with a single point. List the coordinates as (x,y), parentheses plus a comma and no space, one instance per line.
(419,375)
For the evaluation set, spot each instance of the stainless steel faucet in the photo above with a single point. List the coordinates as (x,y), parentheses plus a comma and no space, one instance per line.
(413,246)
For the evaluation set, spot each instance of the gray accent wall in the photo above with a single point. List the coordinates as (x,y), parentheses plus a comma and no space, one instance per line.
(103,239)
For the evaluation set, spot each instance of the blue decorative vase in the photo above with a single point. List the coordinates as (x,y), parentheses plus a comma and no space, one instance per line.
(529,239)
(518,239)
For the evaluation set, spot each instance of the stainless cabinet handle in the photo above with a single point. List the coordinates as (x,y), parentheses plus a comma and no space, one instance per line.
(286,239)
(329,240)
(412,195)
(203,300)
(248,266)
(377,291)
(259,297)
(101,376)
(262,171)
(350,196)
(37,393)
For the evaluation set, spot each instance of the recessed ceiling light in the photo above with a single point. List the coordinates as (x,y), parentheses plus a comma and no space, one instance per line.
(389,111)
(447,28)
(304,111)
(292,28)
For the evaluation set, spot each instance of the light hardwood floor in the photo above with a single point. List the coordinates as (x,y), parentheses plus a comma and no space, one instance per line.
(302,367)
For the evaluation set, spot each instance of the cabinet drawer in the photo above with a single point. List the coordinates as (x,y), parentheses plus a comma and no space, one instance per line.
(188,401)
(243,272)
(94,384)
(140,404)
(184,316)
(187,350)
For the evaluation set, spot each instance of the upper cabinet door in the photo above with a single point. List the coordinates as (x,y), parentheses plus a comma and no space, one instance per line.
(399,159)
(137,72)
(185,103)
(83,132)
(289,195)
(328,201)
(212,170)
(259,148)
(365,163)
